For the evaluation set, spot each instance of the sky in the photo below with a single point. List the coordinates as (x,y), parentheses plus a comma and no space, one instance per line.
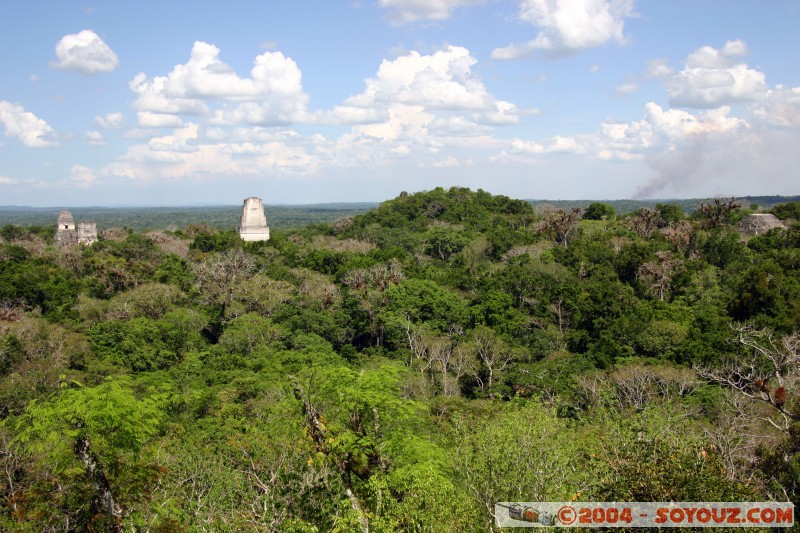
(173,102)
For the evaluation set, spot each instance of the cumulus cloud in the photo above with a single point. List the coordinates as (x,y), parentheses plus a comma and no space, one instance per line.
(405,122)
(85,52)
(273,94)
(82,177)
(779,107)
(712,77)
(109,121)
(24,125)
(432,107)
(405,11)
(660,130)
(420,104)
(219,123)
(569,26)
(4,180)
(191,152)
(681,147)
(452,162)
(95,138)
(147,119)
(522,151)
(627,88)
(440,81)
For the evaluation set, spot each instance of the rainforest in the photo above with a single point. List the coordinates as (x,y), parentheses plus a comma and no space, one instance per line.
(400,369)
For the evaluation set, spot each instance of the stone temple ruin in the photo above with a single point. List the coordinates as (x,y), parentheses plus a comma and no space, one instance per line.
(760,223)
(253,224)
(67,233)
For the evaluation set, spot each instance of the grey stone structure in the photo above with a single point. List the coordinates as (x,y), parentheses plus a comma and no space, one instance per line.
(65,228)
(253,224)
(87,232)
(67,233)
(759,223)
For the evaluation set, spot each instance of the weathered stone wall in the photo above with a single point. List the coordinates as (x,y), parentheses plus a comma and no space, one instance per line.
(87,232)
(65,229)
(253,223)
(759,223)
(67,233)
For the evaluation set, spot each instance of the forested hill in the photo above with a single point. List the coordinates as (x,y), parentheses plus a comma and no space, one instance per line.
(283,217)
(293,217)
(688,205)
(401,369)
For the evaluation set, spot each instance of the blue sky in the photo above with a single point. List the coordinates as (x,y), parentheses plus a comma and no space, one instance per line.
(175,102)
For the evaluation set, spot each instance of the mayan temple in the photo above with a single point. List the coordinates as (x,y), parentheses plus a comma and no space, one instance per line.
(65,228)
(253,224)
(67,233)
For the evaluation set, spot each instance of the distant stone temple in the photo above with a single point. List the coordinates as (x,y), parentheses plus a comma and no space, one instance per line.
(67,233)
(759,223)
(253,225)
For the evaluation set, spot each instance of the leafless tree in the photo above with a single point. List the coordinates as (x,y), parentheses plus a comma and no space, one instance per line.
(657,275)
(561,224)
(218,275)
(768,367)
(491,354)
(644,222)
(737,433)
(679,234)
(718,213)
(437,356)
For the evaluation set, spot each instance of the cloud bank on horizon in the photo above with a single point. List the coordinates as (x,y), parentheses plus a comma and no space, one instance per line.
(553,99)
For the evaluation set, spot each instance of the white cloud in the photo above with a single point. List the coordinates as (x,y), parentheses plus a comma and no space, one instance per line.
(452,162)
(152,96)
(406,122)
(440,81)
(158,120)
(85,52)
(272,95)
(569,26)
(419,105)
(347,114)
(418,109)
(27,127)
(8,181)
(190,153)
(519,150)
(627,88)
(657,68)
(109,121)
(779,107)
(658,131)
(676,124)
(95,138)
(712,77)
(405,11)
(82,177)
(565,145)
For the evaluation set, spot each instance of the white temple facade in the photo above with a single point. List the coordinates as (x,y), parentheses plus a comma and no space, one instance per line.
(253,225)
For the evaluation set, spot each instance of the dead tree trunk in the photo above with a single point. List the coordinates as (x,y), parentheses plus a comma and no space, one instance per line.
(317,432)
(104,496)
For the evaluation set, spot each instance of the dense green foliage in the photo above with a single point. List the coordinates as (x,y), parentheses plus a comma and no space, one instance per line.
(402,369)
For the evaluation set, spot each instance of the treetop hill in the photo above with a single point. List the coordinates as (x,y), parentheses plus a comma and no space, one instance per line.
(402,369)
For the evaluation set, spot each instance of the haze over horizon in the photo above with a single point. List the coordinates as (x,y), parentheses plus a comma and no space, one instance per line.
(305,102)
